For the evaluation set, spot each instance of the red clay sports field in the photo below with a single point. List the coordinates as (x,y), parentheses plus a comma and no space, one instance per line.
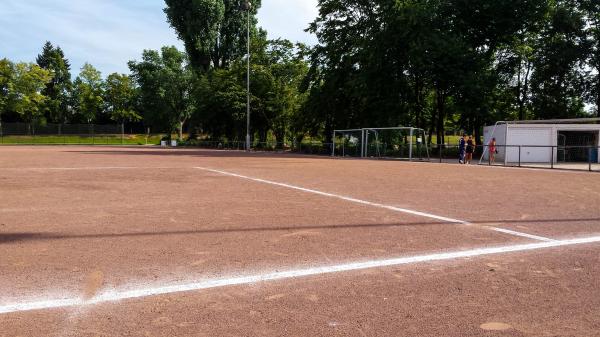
(107,241)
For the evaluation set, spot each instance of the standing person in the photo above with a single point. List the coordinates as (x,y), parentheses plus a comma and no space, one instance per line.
(493,151)
(470,150)
(462,144)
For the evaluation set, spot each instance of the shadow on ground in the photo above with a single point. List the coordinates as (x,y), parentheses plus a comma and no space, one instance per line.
(196,152)
(20,237)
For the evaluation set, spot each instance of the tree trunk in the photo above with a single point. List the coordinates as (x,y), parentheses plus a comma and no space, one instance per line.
(419,102)
(280,138)
(181,130)
(520,97)
(525,90)
(440,102)
(598,96)
(477,131)
(329,130)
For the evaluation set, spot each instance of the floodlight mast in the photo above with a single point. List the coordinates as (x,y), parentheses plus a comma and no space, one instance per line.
(248,7)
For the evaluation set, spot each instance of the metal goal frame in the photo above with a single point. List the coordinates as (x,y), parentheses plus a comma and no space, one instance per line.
(364,139)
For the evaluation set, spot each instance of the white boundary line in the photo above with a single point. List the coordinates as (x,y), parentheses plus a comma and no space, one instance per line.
(116,295)
(331,195)
(368,203)
(525,235)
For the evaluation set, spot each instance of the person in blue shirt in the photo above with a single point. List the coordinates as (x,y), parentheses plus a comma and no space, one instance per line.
(462,147)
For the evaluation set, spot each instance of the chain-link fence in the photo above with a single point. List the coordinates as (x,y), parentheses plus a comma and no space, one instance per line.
(311,148)
(533,156)
(72,134)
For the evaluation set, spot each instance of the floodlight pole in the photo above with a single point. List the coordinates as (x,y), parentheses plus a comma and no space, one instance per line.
(248,6)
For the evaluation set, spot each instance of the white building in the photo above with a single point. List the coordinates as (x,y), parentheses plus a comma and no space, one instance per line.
(545,141)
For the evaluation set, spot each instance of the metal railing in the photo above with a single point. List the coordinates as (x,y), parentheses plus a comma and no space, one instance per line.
(532,156)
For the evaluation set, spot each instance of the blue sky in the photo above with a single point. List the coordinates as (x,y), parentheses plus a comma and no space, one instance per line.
(108,33)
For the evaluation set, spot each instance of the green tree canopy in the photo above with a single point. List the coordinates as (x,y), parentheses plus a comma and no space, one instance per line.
(26,96)
(7,70)
(213,31)
(167,82)
(89,93)
(120,97)
(58,89)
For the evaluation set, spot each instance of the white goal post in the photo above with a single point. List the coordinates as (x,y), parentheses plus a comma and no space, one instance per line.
(406,143)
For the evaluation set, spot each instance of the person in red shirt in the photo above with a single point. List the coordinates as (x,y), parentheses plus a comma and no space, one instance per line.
(493,151)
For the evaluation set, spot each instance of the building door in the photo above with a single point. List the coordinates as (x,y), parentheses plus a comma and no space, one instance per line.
(573,146)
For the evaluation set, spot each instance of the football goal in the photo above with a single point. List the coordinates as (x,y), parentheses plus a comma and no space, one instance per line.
(404,143)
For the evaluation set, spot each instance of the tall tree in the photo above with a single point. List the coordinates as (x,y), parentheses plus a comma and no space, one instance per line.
(6,82)
(591,11)
(285,64)
(213,31)
(58,89)
(147,76)
(89,93)
(558,81)
(166,75)
(29,81)
(120,98)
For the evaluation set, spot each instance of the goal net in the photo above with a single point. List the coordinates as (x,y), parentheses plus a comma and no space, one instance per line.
(348,143)
(398,142)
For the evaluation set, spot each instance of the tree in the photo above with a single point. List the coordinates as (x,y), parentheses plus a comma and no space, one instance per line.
(285,68)
(58,89)
(89,93)
(119,97)
(168,76)
(7,70)
(26,93)
(426,63)
(213,31)
(147,76)
(562,48)
(591,12)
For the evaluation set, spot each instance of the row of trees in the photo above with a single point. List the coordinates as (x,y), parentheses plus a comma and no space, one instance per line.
(44,92)
(453,64)
(435,64)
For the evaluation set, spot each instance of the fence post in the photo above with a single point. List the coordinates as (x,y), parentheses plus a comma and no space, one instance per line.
(552,157)
(440,151)
(519,155)
(590,158)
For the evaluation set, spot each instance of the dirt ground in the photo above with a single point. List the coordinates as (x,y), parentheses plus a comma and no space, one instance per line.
(77,223)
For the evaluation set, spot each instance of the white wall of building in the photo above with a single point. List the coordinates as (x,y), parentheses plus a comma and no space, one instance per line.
(535,140)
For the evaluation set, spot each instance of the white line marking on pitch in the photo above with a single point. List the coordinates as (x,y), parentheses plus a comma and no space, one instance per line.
(115,295)
(331,195)
(364,202)
(525,235)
